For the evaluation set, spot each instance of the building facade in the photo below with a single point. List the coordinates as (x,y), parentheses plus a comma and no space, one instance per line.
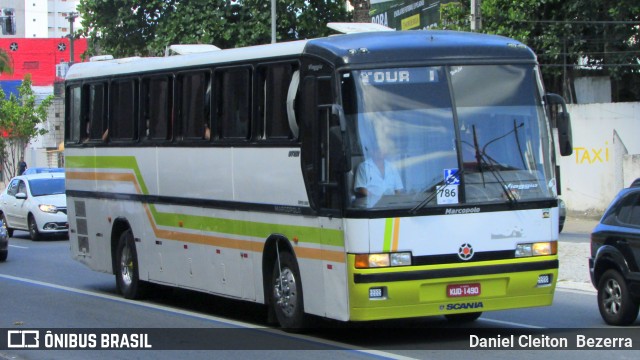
(35,34)
(37,18)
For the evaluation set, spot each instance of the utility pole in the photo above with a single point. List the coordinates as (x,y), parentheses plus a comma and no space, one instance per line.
(476,16)
(273,21)
(72,18)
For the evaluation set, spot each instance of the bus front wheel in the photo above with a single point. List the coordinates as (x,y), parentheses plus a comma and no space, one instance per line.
(286,294)
(127,276)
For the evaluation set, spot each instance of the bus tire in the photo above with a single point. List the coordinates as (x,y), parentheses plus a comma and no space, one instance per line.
(616,305)
(286,294)
(463,318)
(127,270)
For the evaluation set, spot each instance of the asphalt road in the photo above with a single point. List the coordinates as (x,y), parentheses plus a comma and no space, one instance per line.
(41,287)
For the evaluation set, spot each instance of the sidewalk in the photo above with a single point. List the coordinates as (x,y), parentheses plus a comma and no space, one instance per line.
(574,256)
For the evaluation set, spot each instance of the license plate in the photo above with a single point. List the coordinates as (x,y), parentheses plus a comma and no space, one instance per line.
(461,290)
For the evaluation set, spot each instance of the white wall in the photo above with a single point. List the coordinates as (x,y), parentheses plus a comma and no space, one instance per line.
(605,138)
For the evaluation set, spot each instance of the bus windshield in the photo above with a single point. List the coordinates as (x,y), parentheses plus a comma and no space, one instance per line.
(445,135)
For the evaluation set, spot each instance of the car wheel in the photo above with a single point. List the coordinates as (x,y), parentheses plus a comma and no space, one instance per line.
(463,318)
(3,255)
(286,295)
(34,233)
(127,271)
(614,300)
(6,226)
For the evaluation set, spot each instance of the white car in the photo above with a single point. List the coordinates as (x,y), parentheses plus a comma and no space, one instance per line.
(35,203)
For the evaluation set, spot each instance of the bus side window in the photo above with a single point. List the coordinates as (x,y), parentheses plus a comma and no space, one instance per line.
(123,110)
(233,90)
(273,88)
(74,114)
(194,105)
(96,126)
(156,106)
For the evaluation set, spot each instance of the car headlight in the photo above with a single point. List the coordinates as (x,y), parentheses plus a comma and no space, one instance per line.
(366,261)
(48,208)
(537,249)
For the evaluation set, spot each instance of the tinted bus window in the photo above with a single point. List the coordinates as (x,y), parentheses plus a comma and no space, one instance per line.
(194,105)
(74,108)
(272,109)
(95,126)
(233,88)
(156,106)
(123,110)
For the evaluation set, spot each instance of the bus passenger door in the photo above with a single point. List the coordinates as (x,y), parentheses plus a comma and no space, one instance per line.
(323,159)
(323,164)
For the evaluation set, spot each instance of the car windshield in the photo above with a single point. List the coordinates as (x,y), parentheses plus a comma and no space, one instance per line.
(46,186)
(429,136)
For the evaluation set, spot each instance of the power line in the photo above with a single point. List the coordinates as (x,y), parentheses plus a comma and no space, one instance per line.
(613,22)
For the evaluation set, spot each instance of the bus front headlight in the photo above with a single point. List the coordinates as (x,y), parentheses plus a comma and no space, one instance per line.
(537,249)
(366,261)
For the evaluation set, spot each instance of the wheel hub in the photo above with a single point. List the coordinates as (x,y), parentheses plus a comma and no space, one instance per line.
(612,297)
(286,292)
(126,266)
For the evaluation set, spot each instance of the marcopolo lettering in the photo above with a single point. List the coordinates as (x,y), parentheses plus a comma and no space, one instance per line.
(472,210)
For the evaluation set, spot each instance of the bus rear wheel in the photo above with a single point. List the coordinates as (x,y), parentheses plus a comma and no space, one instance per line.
(286,294)
(127,275)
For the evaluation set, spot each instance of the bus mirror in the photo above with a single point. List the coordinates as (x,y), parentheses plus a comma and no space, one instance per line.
(563,123)
(564,134)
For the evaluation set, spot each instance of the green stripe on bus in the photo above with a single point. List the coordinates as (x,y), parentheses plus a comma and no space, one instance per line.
(108,162)
(306,234)
(388,234)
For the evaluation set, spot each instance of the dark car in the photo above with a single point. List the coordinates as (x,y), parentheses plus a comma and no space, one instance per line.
(615,259)
(4,242)
(562,208)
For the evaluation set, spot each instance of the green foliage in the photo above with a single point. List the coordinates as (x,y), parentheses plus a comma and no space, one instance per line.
(604,33)
(454,16)
(20,118)
(146,27)
(5,63)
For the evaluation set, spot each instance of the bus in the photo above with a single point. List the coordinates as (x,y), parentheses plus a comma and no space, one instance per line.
(357,177)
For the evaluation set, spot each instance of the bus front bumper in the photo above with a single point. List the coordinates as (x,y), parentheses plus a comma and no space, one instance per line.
(416,291)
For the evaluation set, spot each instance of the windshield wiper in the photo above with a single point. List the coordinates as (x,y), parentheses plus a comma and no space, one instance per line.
(491,166)
(446,182)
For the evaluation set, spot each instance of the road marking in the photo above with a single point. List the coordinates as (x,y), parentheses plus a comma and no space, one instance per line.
(510,323)
(18,247)
(233,323)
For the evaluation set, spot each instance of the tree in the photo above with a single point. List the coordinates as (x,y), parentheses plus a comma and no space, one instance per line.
(5,63)
(604,34)
(20,117)
(147,27)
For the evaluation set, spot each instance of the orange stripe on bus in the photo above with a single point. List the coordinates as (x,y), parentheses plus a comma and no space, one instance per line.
(396,234)
(255,246)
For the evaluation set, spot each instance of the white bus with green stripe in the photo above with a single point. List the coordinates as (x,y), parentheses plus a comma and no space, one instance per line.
(233,172)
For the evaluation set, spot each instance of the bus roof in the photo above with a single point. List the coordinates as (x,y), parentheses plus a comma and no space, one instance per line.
(342,50)
(419,46)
